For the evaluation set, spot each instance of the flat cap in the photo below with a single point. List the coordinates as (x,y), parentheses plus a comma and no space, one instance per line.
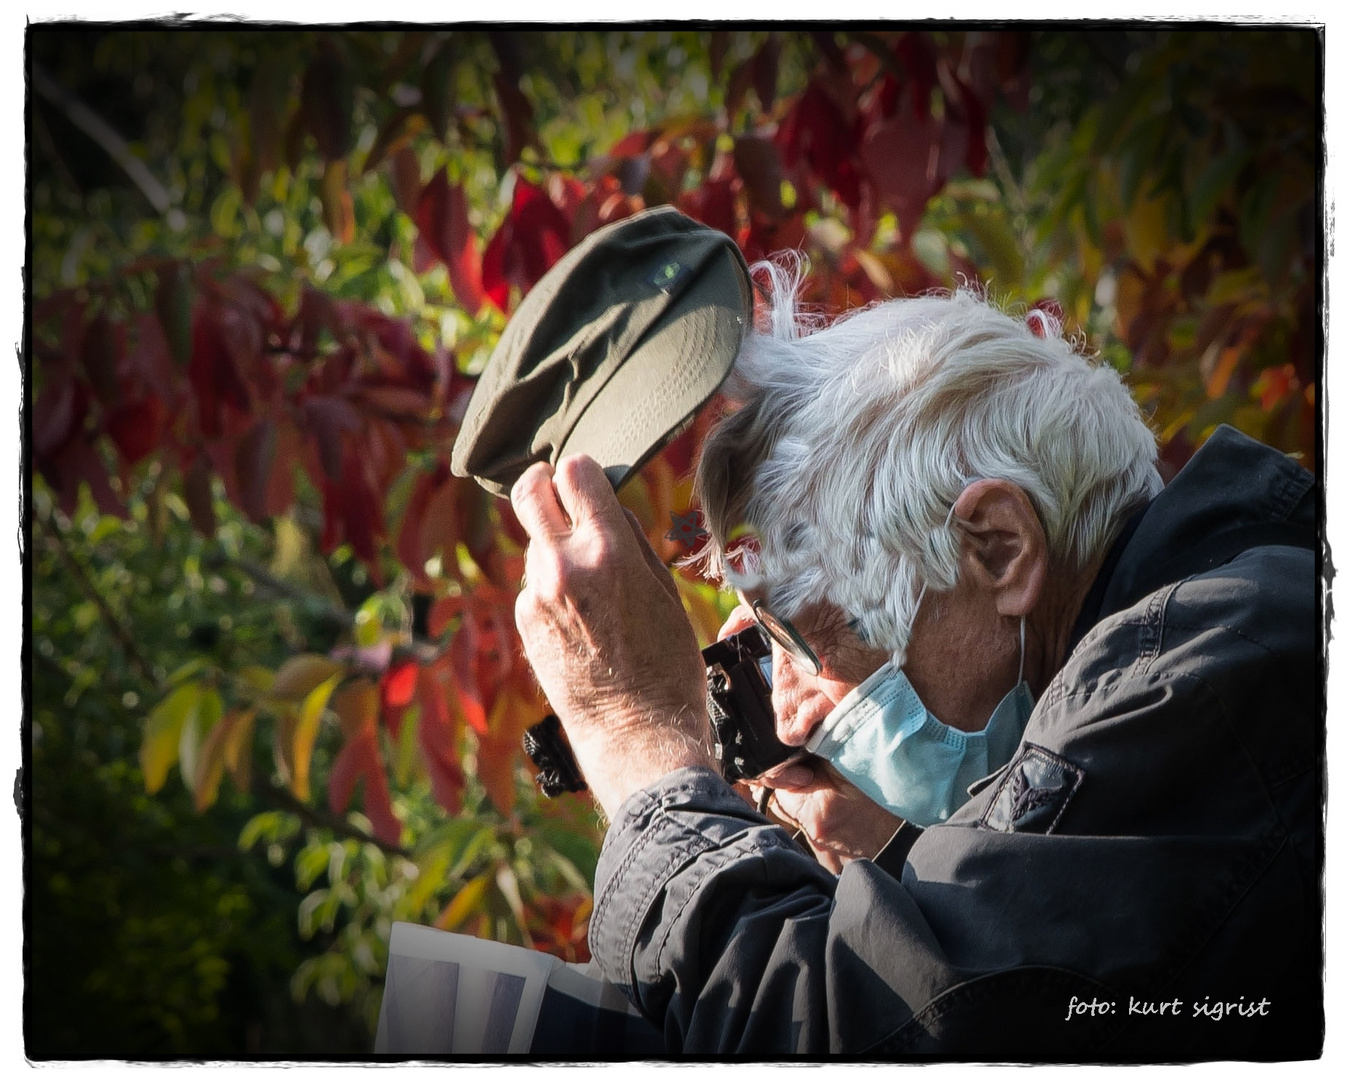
(619,344)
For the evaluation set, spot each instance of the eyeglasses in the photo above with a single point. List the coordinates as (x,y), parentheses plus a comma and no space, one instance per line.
(784,634)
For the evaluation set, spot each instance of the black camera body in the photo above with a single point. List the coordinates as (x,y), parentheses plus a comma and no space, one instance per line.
(738,699)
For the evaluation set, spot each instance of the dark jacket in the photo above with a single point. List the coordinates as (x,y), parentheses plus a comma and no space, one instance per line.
(1152,851)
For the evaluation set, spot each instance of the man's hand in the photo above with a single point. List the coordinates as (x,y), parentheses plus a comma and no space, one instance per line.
(837,819)
(606,634)
(839,822)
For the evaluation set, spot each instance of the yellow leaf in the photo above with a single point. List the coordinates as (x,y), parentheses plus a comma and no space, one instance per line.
(1147,230)
(701,609)
(198,725)
(508,885)
(238,750)
(357,706)
(1235,285)
(282,746)
(257,677)
(468,899)
(163,733)
(299,675)
(220,748)
(306,734)
(432,869)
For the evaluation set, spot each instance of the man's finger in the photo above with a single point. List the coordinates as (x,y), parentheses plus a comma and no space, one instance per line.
(535,502)
(651,559)
(741,618)
(585,492)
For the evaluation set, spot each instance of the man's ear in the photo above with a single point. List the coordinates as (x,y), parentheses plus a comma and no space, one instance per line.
(1004,548)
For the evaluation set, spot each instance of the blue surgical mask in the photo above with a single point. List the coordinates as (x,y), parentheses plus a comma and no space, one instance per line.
(886,742)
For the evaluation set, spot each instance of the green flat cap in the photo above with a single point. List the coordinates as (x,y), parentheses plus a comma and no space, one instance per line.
(619,344)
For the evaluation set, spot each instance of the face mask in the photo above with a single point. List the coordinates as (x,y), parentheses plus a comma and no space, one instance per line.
(886,742)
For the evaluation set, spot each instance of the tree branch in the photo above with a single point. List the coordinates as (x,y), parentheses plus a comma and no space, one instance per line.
(98,129)
(123,635)
(321,819)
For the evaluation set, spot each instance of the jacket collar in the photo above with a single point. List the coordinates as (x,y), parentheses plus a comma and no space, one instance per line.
(1232,495)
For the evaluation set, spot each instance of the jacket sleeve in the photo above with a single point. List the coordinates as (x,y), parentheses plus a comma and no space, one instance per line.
(1139,848)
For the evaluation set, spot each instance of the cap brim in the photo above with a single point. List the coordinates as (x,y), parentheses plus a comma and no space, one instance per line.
(671,374)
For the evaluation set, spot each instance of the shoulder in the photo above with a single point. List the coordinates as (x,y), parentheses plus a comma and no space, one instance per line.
(1204,688)
(1254,617)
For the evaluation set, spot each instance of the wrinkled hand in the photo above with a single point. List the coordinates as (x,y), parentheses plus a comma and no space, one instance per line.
(839,821)
(606,634)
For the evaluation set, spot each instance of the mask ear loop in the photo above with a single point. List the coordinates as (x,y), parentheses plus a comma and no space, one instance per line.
(1021,678)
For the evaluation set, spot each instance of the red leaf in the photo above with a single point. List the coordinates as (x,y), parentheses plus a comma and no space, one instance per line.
(328,419)
(633,144)
(518,117)
(354,512)
(173,307)
(918,57)
(135,427)
(280,494)
(902,155)
(442,217)
(765,62)
(253,462)
(212,372)
(405,169)
(759,163)
(411,549)
(533,236)
(817,132)
(398,685)
(327,100)
(196,492)
(150,360)
(438,734)
(78,461)
(58,413)
(100,354)
(463,653)
(347,768)
(316,313)
(720,43)
(736,89)
(494,283)
(360,758)
(712,204)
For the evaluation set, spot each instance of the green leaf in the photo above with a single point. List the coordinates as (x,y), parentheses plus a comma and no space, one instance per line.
(466,901)
(1213,182)
(310,864)
(163,733)
(998,242)
(479,841)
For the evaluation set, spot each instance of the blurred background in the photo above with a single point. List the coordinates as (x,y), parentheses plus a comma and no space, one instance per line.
(274,691)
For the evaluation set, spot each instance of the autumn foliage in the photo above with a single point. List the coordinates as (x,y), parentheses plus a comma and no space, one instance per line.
(1190,252)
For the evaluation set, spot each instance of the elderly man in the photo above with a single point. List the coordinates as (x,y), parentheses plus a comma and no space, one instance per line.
(1062,770)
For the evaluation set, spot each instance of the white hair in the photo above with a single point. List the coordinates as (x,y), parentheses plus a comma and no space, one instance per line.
(850,444)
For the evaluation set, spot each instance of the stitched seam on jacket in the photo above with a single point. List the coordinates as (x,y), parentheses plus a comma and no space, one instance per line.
(1294,484)
(682,857)
(723,855)
(1150,642)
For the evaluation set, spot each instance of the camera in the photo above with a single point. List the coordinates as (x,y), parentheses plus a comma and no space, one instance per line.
(738,699)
